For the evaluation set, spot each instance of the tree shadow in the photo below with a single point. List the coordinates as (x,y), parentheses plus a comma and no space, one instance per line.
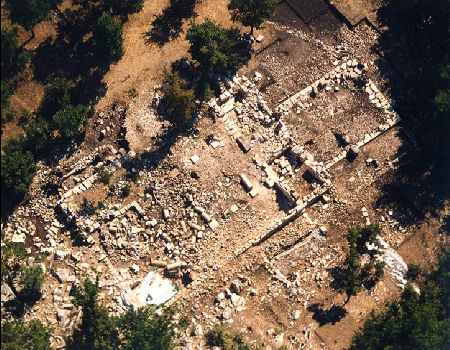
(325,316)
(336,273)
(168,25)
(412,50)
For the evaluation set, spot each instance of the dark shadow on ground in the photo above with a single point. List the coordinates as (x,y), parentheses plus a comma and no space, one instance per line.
(336,274)
(412,50)
(168,25)
(325,316)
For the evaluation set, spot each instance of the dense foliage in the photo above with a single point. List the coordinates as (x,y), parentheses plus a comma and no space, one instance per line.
(19,335)
(107,37)
(417,46)
(178,101)
(361,241)
(13,57)
(252,12)
(6,94)
(97,330)
(216,48)
(416,321)
(17,168)
(32,281)
(141,329)
(219,337)
(56,96)
(29,12)
(125,7)
(70,121)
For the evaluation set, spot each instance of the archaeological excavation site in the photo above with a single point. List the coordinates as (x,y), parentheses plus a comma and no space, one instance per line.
(215,174)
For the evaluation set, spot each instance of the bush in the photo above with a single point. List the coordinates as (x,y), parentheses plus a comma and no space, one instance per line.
(252,12)
(29,12)
(178,100)
(17,168)
(126,190)
(103,175)
(216,48)
(56,97)
(37,135)
(32,281)
(70,121)
(413,272)
(13,58)
(225,340)
(415,321)
(107,37)
(19,335)
(125,7)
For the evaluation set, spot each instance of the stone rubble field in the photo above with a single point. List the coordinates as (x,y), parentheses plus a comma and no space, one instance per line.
(246,213)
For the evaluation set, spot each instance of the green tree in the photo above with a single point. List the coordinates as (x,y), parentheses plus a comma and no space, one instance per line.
(56,97)
(143,329)
(125,7)
(32,280)
(252,12)
(97,330)
(18,335)
(37,135)
(12,257)
(17,168)
(225,340)
(107,37)
(29,12)
(351,276)
(415,321)
(13,58)
(70,121)
(178,100)
(216,48)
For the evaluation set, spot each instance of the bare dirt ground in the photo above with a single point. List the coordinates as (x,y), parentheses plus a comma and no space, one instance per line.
(260,263)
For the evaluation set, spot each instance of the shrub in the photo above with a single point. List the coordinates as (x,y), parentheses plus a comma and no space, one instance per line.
(107,37)
(56,97)
(13,58)
(32,281)
(103,175)
(125,7)
(17,168)
(29,12)
(252,12)
(216,48)
(70,121)
(20,335)
(178,100)
(37,135)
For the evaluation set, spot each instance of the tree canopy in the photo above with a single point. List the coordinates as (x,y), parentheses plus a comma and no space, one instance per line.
(124,7)
(141,329)
(17,168)
(29,12)
(216,48)
(107,37)
(56,97)
(18,335)
(178,101)
(13,57)
(416,321)
(70,121)
(252,13)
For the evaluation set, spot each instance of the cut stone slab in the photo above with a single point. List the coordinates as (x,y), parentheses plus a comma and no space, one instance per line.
(195,158)
(254,192)
(213,224)
(244,144)
(234,208)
